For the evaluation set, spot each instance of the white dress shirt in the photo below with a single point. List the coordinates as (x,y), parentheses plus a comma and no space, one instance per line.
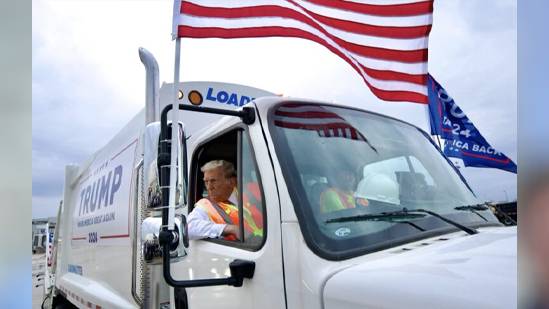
(200,226)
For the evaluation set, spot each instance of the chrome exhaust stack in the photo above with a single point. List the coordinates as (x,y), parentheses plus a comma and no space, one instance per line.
(152,88)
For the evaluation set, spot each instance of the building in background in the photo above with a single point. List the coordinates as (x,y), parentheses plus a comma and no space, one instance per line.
(42,228)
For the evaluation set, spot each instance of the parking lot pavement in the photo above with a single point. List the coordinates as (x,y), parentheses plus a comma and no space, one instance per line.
(38,267)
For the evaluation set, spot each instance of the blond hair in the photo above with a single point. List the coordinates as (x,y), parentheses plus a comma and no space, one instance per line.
(228,167)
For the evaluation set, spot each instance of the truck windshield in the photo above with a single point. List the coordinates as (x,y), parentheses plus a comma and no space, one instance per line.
(341,162)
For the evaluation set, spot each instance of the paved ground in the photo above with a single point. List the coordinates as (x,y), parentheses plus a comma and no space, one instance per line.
(38,267)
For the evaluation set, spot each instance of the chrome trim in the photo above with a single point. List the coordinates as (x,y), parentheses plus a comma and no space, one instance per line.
(134,235)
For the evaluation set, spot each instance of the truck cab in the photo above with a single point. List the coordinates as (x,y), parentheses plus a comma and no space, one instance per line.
(381,254)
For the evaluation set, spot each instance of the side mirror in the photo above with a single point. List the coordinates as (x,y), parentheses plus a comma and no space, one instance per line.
(150,240)
(153,193)
(151,227)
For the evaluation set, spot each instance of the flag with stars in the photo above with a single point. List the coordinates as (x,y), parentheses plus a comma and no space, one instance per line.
(462,139)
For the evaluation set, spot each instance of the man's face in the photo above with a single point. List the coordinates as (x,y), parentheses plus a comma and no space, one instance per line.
(218,186)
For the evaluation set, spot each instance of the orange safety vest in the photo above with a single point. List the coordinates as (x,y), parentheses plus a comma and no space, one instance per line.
(251,201)
(230,212)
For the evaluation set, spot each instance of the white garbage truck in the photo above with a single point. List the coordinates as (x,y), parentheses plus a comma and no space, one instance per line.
(412,235)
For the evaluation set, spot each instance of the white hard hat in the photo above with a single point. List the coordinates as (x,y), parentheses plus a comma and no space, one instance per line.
(378,187)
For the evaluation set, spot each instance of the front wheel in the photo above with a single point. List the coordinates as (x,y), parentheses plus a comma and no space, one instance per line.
(62,303)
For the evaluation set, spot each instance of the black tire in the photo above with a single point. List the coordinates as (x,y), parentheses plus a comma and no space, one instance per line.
(62,303)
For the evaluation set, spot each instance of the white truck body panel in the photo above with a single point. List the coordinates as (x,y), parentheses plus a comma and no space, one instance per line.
(462,272)
(94,250)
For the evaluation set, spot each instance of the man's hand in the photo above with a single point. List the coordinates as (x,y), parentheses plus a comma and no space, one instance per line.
(230,229)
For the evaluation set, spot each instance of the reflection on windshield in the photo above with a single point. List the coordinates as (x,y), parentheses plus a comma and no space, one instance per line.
(343,162)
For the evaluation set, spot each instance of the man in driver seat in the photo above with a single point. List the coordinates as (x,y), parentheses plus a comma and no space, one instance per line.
(216,215)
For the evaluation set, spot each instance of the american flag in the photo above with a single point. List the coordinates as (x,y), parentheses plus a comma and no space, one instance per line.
(315,118)
(385,41)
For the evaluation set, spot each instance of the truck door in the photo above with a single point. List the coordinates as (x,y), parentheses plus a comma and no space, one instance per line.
(256,193)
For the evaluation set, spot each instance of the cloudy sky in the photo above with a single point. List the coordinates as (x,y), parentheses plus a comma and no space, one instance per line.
(88,80)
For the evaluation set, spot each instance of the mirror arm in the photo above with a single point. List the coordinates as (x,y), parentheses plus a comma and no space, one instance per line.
(247,114)
(240,269)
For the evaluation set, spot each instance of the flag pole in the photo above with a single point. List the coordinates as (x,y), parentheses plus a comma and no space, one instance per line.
(430,118)
(438,142)
(175,136)
(175,115)
(430,115)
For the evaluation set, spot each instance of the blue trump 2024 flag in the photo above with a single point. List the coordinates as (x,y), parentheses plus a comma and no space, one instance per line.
(462,139)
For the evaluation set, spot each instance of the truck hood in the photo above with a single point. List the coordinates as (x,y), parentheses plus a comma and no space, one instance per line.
(464,271)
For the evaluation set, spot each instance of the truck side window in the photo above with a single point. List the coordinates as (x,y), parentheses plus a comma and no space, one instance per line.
(252,197)
(234,147)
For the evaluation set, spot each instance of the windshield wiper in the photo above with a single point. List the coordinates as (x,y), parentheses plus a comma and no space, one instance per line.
(396,216)
(403,214)
(474,209)
(468,230)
